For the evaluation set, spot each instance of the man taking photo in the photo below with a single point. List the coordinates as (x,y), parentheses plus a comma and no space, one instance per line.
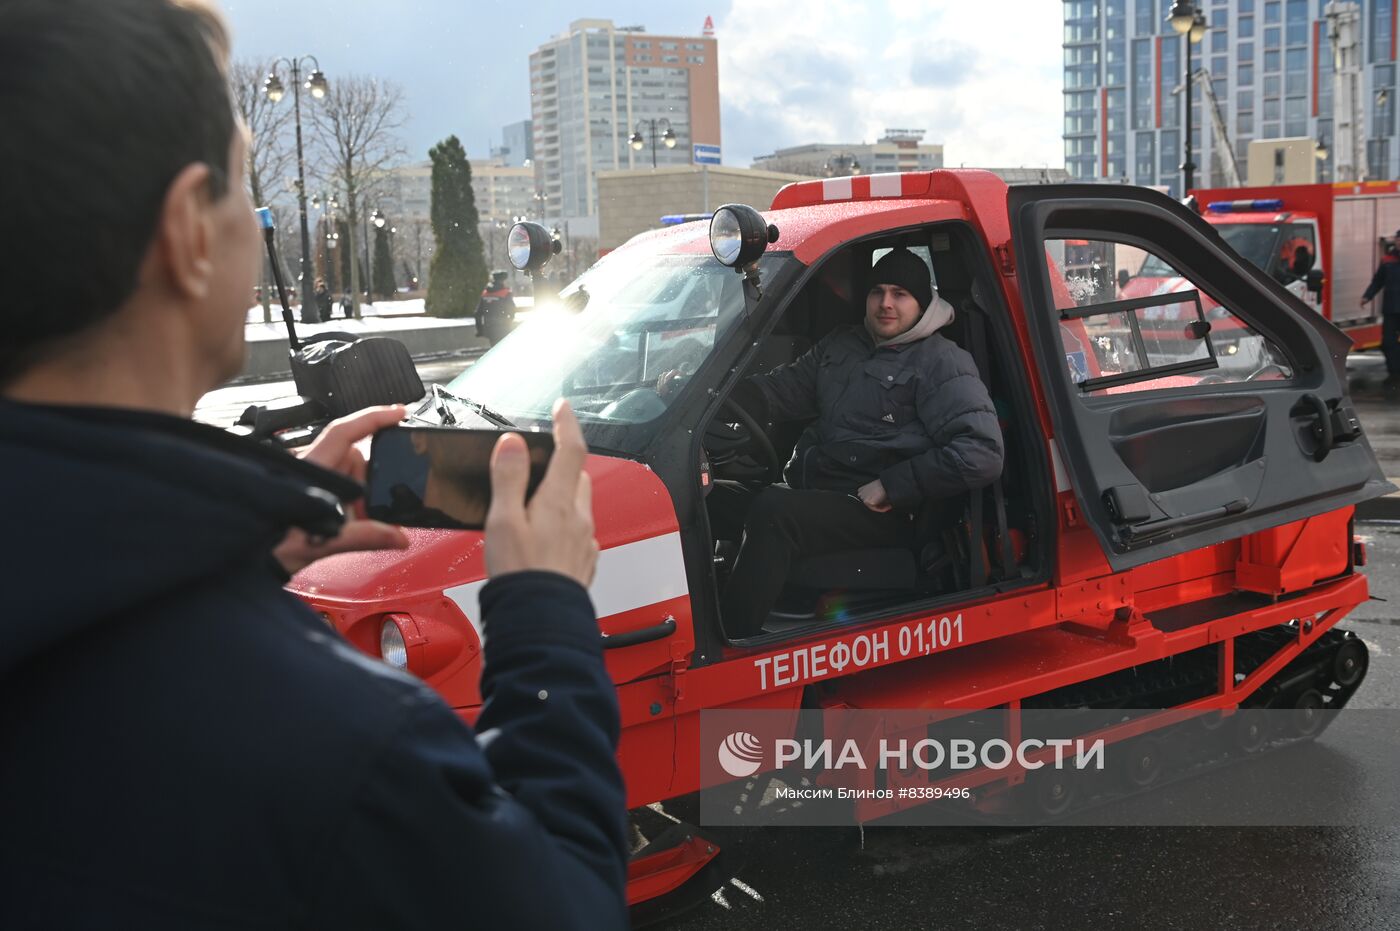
(183,744)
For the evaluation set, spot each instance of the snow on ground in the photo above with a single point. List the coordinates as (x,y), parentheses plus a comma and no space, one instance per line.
(375,318)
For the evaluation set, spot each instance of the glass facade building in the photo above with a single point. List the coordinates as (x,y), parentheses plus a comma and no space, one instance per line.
(1270,67)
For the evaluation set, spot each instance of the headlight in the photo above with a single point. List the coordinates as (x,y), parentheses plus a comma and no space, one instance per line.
(738,235)
(392,647)
(530,246)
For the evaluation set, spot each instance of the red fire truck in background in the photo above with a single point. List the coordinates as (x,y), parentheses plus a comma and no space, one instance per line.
(1344,228)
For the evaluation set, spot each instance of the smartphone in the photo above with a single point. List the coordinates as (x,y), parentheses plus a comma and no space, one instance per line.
(440,477)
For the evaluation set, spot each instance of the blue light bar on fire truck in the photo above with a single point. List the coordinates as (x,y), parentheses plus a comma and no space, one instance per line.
(671,219)
(1245,206)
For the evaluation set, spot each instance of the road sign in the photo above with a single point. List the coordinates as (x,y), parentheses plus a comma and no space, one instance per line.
(706,154)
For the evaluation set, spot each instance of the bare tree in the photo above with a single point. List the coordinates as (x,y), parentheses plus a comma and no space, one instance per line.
(355,130)
(270,156)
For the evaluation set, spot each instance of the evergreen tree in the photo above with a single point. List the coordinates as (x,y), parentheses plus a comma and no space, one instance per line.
(384,284)
(458,274)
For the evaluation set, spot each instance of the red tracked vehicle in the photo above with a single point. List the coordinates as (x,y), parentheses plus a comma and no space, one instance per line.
(1154,504)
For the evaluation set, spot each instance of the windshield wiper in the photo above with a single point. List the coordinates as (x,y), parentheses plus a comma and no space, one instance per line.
(440,394)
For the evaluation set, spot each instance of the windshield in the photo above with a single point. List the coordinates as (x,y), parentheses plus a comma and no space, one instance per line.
(1253,241)
(609,340)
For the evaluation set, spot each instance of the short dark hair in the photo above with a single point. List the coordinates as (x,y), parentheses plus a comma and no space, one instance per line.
(104,103)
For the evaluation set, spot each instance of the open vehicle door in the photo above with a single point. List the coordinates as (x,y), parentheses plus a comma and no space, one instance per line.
(1195,427)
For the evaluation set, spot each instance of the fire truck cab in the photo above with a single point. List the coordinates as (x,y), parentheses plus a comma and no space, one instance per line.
(1346,228)
(1155,502)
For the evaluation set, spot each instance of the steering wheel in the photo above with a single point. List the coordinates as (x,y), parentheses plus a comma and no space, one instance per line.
(749,437)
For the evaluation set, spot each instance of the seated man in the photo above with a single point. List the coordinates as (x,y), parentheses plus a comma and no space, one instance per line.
(901,416)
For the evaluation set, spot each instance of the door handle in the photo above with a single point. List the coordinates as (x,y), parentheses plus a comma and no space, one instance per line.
(1138,531)
(642,635)
(1322,428)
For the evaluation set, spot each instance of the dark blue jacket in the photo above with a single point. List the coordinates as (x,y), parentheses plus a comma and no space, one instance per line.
(183,744)
(916,416)
(1387,276)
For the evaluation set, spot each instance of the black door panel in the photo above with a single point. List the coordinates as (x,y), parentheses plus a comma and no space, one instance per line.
(1162,468)
(1198,447)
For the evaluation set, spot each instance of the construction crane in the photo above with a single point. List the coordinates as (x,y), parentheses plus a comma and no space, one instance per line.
(1222,135)
(1344,34)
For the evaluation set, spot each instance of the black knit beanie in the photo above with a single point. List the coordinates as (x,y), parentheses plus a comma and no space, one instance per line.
(904,268)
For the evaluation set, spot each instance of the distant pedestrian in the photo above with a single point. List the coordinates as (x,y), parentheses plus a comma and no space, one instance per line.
(347,306)
(322,307)
(1387,279)
(495,312)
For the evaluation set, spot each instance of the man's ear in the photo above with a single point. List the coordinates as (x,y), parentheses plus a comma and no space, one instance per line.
(184,233)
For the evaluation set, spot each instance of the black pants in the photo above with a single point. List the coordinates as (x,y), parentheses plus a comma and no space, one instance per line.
(784,524)
(1390,343)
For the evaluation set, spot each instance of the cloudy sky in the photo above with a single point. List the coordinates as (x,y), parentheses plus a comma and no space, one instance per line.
(839,72)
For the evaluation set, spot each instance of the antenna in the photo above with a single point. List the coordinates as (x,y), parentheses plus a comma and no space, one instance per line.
(269,234)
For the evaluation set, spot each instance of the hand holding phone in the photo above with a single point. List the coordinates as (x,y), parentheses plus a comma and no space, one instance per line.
(440,477)
(335,449)
(553,532)
(528,492)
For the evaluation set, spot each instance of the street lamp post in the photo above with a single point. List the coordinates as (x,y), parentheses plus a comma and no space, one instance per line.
(1190,24)
(843,164)
(318,86)
(379,221)
(328,204)
(668,137)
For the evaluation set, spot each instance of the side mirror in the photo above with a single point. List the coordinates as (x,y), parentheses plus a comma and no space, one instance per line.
(1315,279)
(1123,278)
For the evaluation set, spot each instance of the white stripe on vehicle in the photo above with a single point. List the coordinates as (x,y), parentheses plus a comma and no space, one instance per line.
(836,189)
(628,577)
(886,184)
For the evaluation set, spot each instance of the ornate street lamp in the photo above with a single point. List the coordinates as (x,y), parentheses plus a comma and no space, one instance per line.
(842,164)
(667,137)
(1190,24)
(318,87)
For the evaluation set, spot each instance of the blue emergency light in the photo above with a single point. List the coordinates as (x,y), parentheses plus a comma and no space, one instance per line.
(1245,206)
(671,219)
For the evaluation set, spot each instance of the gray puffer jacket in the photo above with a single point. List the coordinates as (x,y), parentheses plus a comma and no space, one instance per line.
(916,416)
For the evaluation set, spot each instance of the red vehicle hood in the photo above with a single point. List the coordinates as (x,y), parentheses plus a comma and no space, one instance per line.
(629,504)
(431,588)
